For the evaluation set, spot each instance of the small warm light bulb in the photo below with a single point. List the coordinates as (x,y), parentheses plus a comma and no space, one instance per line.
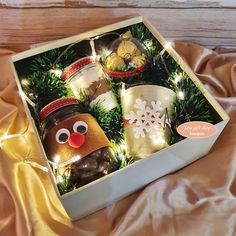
(161,140)
(105,52)
(177,78)
(67,173)
(168,45)
(22,94)
(75,158)
(56,158)
(25,82)
(159,137)
(56,72)
(180,95)
(59,179)
(123,147)
(105,172)
(148,44)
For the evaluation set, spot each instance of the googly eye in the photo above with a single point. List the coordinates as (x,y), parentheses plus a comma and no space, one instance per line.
(62,135)
(80,127)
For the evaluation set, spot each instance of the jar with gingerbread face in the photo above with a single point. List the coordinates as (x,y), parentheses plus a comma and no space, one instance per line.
(74,142)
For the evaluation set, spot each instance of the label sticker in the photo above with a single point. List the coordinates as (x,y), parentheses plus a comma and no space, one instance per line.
(196,129)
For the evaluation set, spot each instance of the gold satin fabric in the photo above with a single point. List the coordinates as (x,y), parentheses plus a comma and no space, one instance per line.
(197,200)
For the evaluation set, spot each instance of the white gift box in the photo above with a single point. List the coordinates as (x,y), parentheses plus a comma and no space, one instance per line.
(100,193)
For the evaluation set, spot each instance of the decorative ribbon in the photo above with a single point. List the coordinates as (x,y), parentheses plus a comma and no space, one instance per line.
(56,105)
(77,65)
(131,73)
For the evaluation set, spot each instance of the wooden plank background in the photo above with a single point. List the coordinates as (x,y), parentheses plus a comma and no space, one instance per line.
(121,3)
(209,23)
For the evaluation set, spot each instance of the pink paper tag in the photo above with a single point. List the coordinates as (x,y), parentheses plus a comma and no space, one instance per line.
(196,129)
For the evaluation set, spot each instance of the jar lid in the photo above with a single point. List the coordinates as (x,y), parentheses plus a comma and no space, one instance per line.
(55,105)
(77,65)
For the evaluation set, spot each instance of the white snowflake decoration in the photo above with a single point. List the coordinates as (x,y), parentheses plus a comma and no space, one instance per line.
(147,119)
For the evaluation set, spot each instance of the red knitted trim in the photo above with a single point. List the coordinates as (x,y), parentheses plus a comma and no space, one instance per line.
(126,121)
(77,65)
(53,106)
(124,74)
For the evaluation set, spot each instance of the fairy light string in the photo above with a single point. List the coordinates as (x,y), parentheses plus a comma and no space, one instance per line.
(56,165)
(92,39)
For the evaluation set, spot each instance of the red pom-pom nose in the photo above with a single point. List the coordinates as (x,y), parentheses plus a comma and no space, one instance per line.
(76,140)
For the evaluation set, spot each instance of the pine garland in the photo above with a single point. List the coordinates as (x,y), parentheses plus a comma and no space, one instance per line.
(65,185)
(151,45)
(141,32)
(45,87)
(53,59)
(110,122)
(194,106)
(120,158)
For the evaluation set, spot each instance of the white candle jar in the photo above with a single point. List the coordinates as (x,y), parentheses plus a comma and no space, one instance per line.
(146,112)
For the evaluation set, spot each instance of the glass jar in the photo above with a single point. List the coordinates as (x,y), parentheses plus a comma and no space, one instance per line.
(74,142)
(85,77)
(128,57)
(147,111)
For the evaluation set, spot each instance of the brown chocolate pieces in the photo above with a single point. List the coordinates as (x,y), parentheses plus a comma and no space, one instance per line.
(91,167)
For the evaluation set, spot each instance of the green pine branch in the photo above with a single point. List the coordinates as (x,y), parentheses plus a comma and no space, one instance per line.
(53,59)
(150,43)
(120,158)
(110,121)
(45,87)
(194,106)
(66,185)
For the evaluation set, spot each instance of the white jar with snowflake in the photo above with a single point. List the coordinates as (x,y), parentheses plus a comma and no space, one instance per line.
(146,112)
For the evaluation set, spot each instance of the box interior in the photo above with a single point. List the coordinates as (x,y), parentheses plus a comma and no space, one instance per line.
(165,69)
